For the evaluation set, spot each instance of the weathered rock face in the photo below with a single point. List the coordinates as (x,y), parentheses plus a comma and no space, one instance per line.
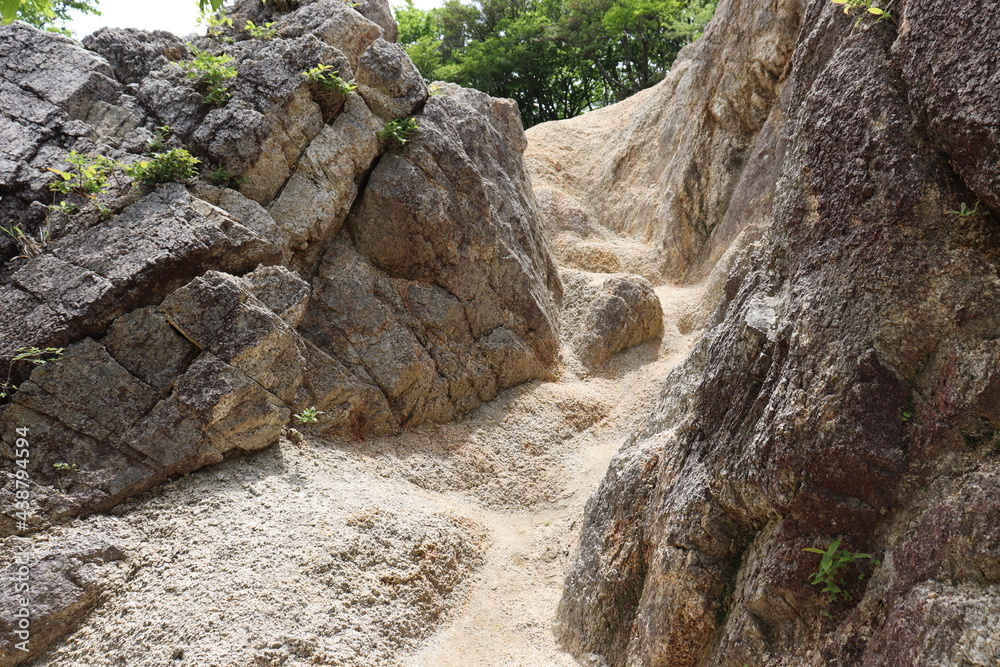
(63,581)
(662,165)
(845,387)
(199,318)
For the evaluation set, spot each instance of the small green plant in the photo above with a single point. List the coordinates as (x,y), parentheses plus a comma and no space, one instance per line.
(433,90)
(87,180)
(159,142)
(30,246)
(330,79)
(64,469)
(869,8)
(965,212)
(32,355)
(87,177)
(399,131)
(212,74)
(221,176)
(263,32)
(176,165)
(64,207)
(309,416)
(215,24)
(829,574)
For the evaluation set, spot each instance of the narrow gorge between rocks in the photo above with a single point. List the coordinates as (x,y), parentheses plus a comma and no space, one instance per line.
(589,395)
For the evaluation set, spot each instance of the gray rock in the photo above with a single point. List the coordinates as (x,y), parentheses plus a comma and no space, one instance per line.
(148,347)
(333,22)
(47,83)
(218,313)
(67,577)
(134,53)
(455,209)
(210,337)
(389,81)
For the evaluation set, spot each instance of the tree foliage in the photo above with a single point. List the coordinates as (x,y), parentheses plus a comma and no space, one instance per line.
(52,16)
(556,58)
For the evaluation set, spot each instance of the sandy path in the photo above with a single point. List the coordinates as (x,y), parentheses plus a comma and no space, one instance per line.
(507,620)
(339,552)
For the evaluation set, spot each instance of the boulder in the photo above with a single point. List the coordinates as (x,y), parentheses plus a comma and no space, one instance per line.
(455,209)
(389,81)
(609,313)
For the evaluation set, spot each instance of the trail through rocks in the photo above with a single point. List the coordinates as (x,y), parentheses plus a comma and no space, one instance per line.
(445,545)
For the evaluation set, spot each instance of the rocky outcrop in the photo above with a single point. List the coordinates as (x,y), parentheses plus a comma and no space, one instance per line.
(844,387)
(662,165)
(197,318)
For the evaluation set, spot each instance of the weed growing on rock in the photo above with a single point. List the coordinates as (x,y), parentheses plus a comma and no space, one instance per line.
(830,575)
(215,24)
(87,177)
(965,212)
(309,416)
(159,142)
(223,177)
(212,73)
(64,469)
(32,355)
(263,32)
(399,131)
(879,9)
(175,165)
(30,246)
(330,79)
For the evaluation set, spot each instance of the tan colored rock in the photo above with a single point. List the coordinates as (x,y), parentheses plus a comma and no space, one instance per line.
(662,165)
(281,290)
(319,195)
(214,410)
(609,313)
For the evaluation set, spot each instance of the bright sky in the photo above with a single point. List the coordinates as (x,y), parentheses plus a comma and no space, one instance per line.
(177,16)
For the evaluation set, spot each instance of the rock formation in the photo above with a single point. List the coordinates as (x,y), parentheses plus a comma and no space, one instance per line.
(831,178)
(844,389)
(380,284)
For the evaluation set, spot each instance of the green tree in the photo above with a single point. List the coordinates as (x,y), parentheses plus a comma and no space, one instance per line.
(46,13)
(55,16)
(556,58)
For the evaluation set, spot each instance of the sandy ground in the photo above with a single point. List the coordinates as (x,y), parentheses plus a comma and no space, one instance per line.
(444,546)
